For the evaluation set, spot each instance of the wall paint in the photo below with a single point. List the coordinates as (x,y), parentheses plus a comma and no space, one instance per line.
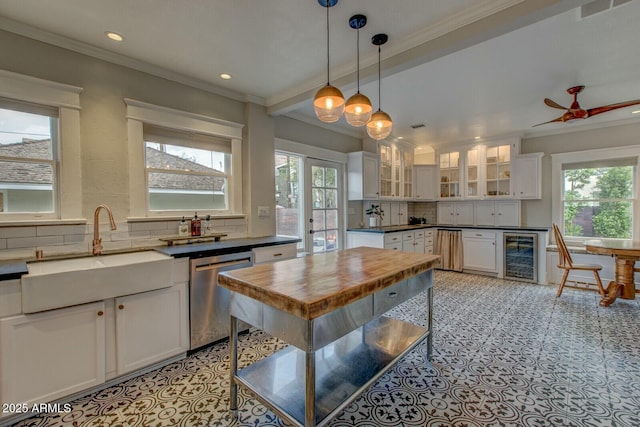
(538,212)
(104,132)
(295,130)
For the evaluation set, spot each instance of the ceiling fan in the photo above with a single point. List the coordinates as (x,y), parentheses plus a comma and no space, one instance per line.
(576,112)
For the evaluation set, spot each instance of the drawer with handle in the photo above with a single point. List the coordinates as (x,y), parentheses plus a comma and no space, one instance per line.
(274,253)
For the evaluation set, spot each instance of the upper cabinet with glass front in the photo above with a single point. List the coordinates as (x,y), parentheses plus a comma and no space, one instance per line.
(472,188)
(450,168)
(478,171)
(386,170)
(396,171)
(498,171)
(407,177)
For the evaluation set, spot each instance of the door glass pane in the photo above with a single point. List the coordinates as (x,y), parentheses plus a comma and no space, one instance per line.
(330,178)
(289,206)
(318,198)
(318,176)
(318,220)
(331,198)
(325,207)
(318,242)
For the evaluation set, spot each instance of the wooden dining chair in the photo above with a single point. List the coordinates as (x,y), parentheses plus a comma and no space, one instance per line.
(565,262)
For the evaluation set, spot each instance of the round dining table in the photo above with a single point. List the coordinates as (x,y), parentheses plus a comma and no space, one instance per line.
(626,253)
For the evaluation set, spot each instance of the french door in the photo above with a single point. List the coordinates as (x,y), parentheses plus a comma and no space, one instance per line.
(323,205)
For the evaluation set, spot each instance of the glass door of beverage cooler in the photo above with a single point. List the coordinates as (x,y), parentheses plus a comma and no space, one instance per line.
(521,257)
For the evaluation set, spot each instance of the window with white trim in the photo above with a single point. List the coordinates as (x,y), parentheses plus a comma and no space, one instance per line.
(181,162)
(39,128)
(28,164)
(186,170)
(597,198)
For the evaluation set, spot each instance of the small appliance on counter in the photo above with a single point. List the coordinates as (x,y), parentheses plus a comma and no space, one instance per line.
(413,220)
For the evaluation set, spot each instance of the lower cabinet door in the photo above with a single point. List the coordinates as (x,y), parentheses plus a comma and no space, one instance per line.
(479,254)
(45,356)
(150,327)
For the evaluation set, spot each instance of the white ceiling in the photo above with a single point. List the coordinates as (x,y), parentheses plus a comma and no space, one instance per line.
(464,68)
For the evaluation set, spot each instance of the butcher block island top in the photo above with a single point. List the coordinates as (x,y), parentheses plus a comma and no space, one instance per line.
(312,286)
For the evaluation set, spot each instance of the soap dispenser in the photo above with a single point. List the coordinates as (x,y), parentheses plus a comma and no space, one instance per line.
(195,225)
(183,228)
(206,226)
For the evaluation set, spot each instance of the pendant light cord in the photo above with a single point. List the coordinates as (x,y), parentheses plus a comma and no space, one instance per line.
(379,93)
(358,57)
(328,80)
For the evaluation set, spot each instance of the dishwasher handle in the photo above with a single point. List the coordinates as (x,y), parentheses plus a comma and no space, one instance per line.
(219,265)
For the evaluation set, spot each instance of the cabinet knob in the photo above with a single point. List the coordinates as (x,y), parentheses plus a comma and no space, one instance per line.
(121,307)
(100,313)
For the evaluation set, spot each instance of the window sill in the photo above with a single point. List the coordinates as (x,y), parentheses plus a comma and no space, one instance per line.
(572,249)
(35,222)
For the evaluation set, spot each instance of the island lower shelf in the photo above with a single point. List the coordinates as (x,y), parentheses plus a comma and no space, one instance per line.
(343,369)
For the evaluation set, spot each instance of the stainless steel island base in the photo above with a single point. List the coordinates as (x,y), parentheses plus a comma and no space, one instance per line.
(344,369)
(331,359)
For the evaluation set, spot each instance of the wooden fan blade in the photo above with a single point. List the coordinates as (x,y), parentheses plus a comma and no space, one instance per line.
(554,104)
(559,119)
(610,107)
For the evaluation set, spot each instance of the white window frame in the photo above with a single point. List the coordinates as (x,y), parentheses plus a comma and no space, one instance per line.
(139,113)
(66,98)
(557,181)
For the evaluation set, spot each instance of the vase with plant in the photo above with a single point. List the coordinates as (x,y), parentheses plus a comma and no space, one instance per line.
(375,215)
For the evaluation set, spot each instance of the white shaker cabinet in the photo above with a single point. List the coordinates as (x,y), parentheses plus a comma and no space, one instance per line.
(363,176)
(413,241)
(498,214)
(479,250)
(399,214)
(49,355)
(452,213)
(426,182)
(150,327)
(528,176)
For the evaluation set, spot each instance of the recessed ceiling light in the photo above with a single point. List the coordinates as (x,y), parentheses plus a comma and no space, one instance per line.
(225,76)
(476,137)
(114,36)
(401,137)
(635,112)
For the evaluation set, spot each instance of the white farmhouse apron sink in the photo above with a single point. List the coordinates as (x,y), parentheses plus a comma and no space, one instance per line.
(62,283)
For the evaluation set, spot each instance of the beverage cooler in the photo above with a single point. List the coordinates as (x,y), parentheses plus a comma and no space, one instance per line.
(521,256)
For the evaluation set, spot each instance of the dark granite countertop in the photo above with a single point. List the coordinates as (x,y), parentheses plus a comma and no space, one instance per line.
(394,228)
(224,246)
(14,269)
(391,228)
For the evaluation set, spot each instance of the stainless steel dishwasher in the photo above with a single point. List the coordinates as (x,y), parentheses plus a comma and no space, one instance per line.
(209,303)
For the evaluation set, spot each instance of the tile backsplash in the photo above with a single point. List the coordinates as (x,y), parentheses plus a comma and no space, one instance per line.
(20,242)
(426,210)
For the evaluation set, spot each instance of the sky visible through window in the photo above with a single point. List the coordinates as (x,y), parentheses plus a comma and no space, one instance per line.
(16,125)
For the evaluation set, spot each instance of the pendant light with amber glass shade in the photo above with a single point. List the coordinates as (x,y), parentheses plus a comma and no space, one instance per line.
(329,101)
(380,125)
(358,109)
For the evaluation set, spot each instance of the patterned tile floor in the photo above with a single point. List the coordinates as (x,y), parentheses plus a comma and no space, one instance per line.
(505,354)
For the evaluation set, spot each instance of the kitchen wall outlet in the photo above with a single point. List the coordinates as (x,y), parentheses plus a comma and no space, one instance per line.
(264,211)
